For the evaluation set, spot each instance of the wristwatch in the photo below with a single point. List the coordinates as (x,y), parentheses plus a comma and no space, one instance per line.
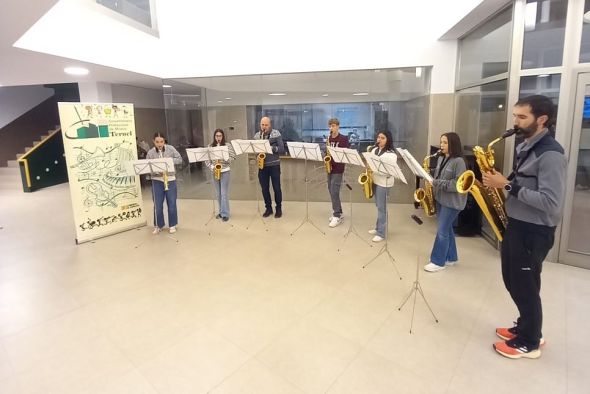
(508,187)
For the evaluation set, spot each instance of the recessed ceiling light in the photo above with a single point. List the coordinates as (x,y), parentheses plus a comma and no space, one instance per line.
(277,94)
(360,94)
(542,75)
(76,70)
(166,86)
(220,101)
(228,98)
(377,71)
(500,106)
(325,95)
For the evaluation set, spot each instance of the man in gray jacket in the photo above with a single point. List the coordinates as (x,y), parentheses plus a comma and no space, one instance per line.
(536,191)
(271,171)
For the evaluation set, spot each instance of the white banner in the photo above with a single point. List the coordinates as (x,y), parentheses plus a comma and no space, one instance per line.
(98,139)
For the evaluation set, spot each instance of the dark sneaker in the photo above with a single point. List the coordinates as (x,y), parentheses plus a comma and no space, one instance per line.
(225,218)
(218,216)
(278,213)
(267,213)
(511,333)
(515,349)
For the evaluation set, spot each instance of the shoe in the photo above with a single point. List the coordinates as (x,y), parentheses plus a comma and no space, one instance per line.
(218,216)
(513,348)
(431,267)
(156,230)
(511,333)
(278,213)
(225,218)
(450,263)
(172,230)
(377,238)
(267,213)
(335,221)
(373,232)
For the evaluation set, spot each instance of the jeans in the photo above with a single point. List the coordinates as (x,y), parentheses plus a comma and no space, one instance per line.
(334,182)
(524,248)
(380,194)
(159,195)
(222,193)
(265,176)
(444,248)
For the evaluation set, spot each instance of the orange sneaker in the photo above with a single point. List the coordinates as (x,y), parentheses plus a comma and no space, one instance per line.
(511,333)
(514,349)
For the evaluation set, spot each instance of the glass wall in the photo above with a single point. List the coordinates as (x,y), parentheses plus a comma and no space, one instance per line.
(544,33)
(138,10)
(299,106)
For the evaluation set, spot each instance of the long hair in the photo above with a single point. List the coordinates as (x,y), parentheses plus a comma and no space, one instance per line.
(389,142)
(455,147)
(214,143)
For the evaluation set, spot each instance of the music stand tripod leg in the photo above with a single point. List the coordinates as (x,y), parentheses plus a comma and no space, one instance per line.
(306,219)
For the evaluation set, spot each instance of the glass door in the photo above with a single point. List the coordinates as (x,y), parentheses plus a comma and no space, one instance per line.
(575,235)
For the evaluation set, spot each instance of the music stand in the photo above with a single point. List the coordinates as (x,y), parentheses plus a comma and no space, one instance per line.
(416,287)
(389,168)
(151,166)
(348,156)
(306,151)
(256,147)
(210,153)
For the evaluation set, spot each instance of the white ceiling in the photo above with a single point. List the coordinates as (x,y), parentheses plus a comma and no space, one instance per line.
(212,38)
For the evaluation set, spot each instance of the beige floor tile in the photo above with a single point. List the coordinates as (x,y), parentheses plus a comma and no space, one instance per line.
(309,356)
(195,364)
(129,383)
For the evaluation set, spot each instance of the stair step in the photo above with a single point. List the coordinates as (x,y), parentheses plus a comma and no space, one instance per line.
(12,171)
(19,155)
(28,148)
(12,163)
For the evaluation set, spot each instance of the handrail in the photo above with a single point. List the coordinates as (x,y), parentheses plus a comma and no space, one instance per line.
(43,141)
(24,159)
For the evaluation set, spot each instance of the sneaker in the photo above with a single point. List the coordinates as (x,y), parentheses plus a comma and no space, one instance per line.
(373,232)
(511,333)
(377,238)
(278,213)
(172,230)
(431,267)
(225,218)
(514,349)
(267,213)
(335,221)
(218,216)
(450,263)
(156,230)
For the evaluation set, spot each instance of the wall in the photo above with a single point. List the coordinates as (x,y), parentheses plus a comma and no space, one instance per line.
(16,100)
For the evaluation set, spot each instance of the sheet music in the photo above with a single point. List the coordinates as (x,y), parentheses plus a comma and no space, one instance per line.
(149,166)
(305,150)
(414,165)
(345,155)
(251,146)
(210,153)
(383,165)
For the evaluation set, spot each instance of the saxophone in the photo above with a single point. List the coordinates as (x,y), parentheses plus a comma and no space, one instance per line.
(365,179)
(260,159)
(328,161)
(217,170)
(165,177)
(490,199)
(425,196)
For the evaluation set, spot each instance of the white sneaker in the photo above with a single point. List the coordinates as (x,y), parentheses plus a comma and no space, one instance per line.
(431,267)
(172,229)
(450,263)
(377,238)
(335,221)
(156,230)
(373,232)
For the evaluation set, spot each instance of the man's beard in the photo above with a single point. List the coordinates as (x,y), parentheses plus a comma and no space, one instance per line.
(528,131)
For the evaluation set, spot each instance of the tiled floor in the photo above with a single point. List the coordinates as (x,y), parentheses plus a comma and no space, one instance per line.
(260,311)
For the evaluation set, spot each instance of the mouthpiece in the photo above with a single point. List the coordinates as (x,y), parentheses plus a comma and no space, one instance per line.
(510,132)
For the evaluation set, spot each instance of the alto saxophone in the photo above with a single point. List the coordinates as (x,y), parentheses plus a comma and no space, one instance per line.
(260,159)
(328,161)
(425,195)
(365,179)
(165,177)
(490,199)
(217,170)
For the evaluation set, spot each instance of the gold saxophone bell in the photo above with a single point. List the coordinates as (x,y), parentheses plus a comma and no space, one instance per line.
(260,158)
(365,179)
(217,170)
(489,199)
(328,162)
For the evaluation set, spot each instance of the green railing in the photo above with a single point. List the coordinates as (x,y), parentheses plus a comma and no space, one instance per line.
(45,164)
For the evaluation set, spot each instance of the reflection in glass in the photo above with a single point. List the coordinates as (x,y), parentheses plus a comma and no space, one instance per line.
(138,10)
(544,33)
(485,51)
(585,44)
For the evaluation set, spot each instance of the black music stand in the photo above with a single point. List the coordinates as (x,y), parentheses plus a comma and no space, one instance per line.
(306,151)
(210,153)
(256,147)
(390,169)
(348,156)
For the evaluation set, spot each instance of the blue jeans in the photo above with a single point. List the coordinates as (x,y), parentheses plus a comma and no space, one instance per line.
(265,176)
(444,248)
(380,194)
(170,195)
(334,182)
(222,193)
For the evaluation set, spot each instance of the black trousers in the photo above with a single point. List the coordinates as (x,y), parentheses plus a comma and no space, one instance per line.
(267,175)
(524,249)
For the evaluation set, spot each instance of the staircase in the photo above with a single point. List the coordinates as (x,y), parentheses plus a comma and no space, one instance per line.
(10,179)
